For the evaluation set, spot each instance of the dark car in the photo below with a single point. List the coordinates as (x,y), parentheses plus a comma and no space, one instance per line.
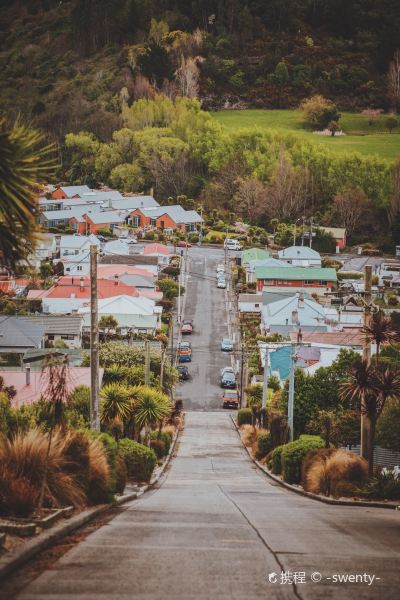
(228,380)
(183,373)
(187,327)
(184,357)
(230,399)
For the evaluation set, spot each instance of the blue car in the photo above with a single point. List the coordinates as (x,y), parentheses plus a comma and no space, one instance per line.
(226,345)
(184,358)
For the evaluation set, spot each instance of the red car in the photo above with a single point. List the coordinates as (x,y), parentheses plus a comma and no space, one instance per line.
(187,327)
(230,399)
(183,244)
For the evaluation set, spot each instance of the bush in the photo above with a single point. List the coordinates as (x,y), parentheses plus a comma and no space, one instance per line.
(319,111)
(140,460)
(159,448)
(100,483)
(244,416)
(275,462)
(314,456)
(110,448)
(263,445)
(385,486)
(293,455)
(121,474)
(388,427)
(165,438)
(335,473)
(18,496)
(392,300)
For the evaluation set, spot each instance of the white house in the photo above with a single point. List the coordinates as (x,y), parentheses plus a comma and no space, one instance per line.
(45,249)
(300,256)
(250,303)
(263,262)
(132,313)
(297,312)
(75,253)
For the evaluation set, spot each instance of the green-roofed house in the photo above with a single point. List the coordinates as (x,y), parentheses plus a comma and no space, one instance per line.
(254,254)
(296,279)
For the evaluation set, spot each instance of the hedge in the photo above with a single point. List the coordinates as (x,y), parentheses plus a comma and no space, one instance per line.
(244,416)
(140,460)
(275,462)
(263,445)
(165,437)
(294,453)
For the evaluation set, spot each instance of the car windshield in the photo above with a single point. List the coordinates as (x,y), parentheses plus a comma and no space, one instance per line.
(226,341)
(229,376)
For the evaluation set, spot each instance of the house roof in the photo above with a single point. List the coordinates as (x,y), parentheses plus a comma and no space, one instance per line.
(296,273)
(109,271)
(135,321)
(176,212)
(79,287)
(121,247)
(56,324)
(139,281)
(27,394)
(77,241)
(7,286)
(132,259)
(308,312)
(102,195)
(58,215)
(156,249)
(123,304)
(133,202)
(254,254)
(17,335)
(348,337)
(267,262)
(250,298)
(300,252)
(73,190)
(107,216)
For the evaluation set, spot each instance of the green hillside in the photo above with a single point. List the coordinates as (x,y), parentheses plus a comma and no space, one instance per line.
(360,136)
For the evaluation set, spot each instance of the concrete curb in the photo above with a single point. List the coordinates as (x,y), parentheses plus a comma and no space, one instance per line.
(301,492)
(48,538)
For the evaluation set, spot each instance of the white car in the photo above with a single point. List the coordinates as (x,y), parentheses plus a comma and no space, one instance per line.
(227,370)
(231,244)
(220,268)
(221,284)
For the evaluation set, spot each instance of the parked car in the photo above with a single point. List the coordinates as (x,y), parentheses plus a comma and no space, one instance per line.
(183,371)
(185,347)
(220,268)
(221,284)
(231,244)
(183,244)
(226,345)
(228,380)
(187,327)
(226,370)
(230,399)
(184,357)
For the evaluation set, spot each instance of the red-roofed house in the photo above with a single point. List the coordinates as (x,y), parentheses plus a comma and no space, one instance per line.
(30,385)
(70,293)
(158,250)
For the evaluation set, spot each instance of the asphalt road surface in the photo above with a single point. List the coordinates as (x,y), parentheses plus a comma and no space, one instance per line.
(216,528)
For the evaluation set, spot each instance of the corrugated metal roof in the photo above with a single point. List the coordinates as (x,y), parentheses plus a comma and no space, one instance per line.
(16,334)
(297,273)
(54,324)
(254,254)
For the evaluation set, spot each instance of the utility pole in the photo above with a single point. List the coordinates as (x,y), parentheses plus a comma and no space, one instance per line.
(201,225)
(94,343)
(179,289)
(241,375)
(172,341)
(291,392)
(311,222)
(302,231)
(365,424)
(147,363)
(162,368)
(265,383)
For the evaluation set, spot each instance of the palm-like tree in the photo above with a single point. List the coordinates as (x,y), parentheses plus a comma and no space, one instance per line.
(24,164)
(380,330)
(371,385)
(150,406)
(115,403)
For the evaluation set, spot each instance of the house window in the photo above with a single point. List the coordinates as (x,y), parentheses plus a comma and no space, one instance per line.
(256,306)
(153,222)
(50,337)
(134,221)
(67,337)
(79,268)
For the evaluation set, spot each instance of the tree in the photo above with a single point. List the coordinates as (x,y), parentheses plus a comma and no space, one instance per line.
(371,385)
(380,330)
(371,114)
(187,77)
(388,427)
(169,287)
(115,404)
(333,127)
(349,205)
(319,111)
(391,123)
(108,322)
(281,78)
(24,164)
(286,194)
(150,407)
(250,198)
(394,81)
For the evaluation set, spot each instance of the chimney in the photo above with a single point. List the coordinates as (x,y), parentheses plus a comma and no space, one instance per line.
(28,375)
(81,284)
(151,191)
(295,317)
(300,303)
(116,279)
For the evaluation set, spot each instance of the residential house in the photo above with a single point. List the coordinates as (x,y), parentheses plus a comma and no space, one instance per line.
(122,247)
(150,263)
(250,303)
(263,262)
(339,235)
(17,336)
(94,222)
(165,218)
(300,256)
(295,313)
(110,271)
(132,203)
(70,191)
(58,328)
(134,314)
(75,253)
(159,250)
(315,280)
(31,385)
(280,357)
(45,249)
(65,218)
(349,338)
(68,294)
(254,254)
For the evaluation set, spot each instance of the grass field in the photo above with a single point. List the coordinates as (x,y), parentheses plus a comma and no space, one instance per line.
(360,136)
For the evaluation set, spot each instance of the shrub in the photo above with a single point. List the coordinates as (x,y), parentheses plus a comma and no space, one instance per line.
(244,416)
(139,459)
(314,456)
(100,485)
(121,474)
(18,496)
(386,485)
(165,438)
(263,445)
(275,462)
(159,447)
(110,448)
(249,435)
(25,456)
(293,455)
(319,111)
(335,473)
(76,450)
(388,427)
(170,431)
(392,300)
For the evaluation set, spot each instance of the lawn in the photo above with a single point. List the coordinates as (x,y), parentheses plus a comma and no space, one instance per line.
(360,136)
